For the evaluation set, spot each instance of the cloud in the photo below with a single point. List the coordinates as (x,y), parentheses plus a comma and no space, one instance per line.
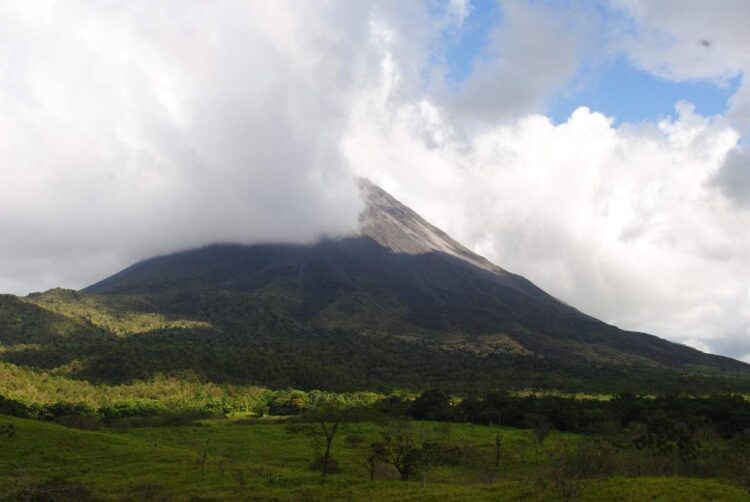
(733,178)
(130,129)
(687,40)
(124,135)
(621,222)
(737,345)
(531,54)
(133,129)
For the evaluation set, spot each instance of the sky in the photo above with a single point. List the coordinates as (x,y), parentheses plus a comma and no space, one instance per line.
(599,148)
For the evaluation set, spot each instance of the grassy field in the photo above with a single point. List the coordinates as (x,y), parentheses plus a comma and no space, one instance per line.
(263,461)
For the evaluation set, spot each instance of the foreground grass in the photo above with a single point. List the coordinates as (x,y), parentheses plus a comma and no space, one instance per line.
(265,462)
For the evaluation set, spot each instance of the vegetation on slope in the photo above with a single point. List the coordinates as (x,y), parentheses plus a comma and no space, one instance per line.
(117,315)
(235,338)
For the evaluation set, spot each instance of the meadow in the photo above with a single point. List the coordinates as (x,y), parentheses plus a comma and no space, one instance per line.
(264,459)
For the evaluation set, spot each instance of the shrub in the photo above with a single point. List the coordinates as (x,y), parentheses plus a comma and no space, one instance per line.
(14,408)
(53,490)
(317,465)
(63,409)
(292,403)
(7,430)
(83,422)
(354,440)
(183,419)
(566,472)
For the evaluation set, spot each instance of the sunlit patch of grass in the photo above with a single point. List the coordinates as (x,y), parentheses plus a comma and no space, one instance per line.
(121,316)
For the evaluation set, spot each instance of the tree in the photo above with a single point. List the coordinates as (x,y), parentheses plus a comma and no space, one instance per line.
(498,442)
(739,448)
(565,472)
(540,426)
(400,449)
(324,422)
(328,426)
(403,449)
(663,435)
(432,405)
(371,460)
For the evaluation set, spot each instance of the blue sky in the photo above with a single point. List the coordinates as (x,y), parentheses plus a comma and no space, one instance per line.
(462,46)
(620,90)
(614,86)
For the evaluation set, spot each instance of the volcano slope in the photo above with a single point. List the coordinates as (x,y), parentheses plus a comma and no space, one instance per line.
(400,305)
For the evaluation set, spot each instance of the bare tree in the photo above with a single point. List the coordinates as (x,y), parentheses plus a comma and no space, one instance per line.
(565,472)
(370,460)
(324,422)
(399,448)
(540,426)
(405,449)
(498,442)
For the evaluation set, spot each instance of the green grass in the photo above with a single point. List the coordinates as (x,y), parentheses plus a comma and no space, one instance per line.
(265,462)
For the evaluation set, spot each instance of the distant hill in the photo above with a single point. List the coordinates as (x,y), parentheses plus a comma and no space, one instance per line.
(401,304)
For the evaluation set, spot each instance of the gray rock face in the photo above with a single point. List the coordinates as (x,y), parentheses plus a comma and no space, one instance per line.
(395,226)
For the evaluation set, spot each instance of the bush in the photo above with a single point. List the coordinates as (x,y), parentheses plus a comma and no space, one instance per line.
(53,490)
(333,465)
(396,406)
(183,419)
(62,409)
(292,403)
(83,422)
(432,405)
(565,472)
(7,430)
(147,492)
(129,409)
(354,440)
(14,408)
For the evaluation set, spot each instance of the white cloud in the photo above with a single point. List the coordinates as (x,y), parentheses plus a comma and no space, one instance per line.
(129,129)
(622,222)
(733,179)
(532,53)
(692,40)
(124,134)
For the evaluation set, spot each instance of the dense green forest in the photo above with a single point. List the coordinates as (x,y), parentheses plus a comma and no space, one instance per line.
(229,340)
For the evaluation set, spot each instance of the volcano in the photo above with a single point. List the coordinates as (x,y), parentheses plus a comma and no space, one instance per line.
(399,303)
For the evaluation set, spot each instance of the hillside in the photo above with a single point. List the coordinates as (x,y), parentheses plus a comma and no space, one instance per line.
(399,305)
